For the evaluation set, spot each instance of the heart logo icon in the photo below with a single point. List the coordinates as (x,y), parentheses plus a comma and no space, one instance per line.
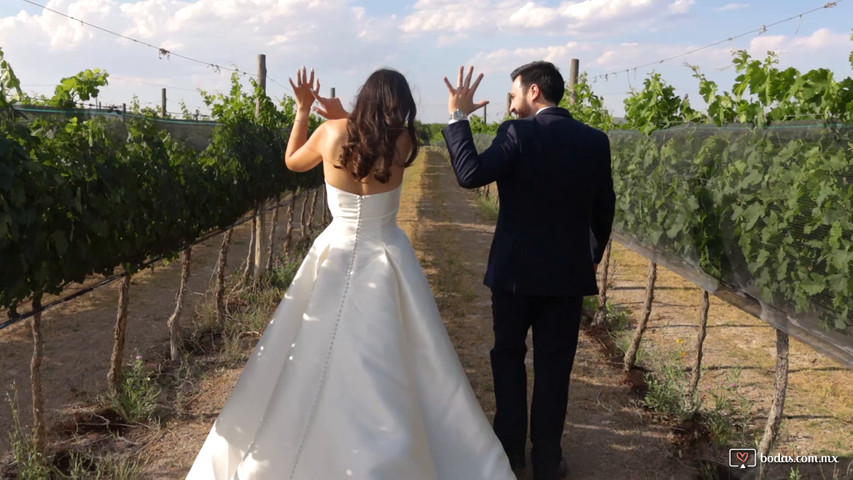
(742,456)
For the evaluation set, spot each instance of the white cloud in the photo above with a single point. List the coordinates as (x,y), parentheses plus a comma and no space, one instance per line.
(528,17)
(732,6)
(502,61)
(531,15)
(337,37)
(603,10)
(822,39)
(680,7)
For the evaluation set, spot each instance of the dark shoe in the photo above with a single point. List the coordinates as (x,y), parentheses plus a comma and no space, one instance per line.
(561,473)
(516,463)
(563,469)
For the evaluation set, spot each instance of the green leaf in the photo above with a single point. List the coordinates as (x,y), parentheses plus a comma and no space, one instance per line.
(751,215)
(813,285)
(60,243)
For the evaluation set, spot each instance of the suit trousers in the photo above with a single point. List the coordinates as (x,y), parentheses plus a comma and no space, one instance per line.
(555,322)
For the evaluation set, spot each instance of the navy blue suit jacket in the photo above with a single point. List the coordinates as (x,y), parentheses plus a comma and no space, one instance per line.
(556,200)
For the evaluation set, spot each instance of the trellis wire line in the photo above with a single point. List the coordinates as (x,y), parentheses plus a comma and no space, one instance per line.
(162,52)
(761,30)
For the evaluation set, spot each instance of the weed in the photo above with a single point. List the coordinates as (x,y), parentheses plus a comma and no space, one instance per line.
(136,400)
(487,208)
(728,415)
(118,467)
(30,462)
(233,347)
(794,474)
(113,466)
(78,466)
(284,268)
(666,392)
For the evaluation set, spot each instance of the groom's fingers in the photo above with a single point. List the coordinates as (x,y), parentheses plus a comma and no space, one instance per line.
(468,77)
(449,86)
(459,77)
(476,82)
(480,105)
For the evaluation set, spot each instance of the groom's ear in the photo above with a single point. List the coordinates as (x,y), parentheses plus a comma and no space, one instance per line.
(535,92)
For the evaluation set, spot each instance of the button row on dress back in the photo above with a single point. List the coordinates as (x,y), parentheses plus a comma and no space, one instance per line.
(325,371)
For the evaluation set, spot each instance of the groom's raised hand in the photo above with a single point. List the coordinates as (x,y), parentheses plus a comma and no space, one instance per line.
(462,95)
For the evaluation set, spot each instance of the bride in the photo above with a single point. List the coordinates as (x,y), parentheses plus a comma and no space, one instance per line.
(355,376)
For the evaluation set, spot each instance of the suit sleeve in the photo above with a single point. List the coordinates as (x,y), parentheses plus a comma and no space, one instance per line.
(604,205)
(475,170)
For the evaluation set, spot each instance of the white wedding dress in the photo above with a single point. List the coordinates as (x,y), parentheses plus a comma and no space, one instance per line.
(355,376)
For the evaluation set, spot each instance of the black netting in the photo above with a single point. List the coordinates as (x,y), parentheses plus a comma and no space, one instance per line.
(767,213)
(193,133)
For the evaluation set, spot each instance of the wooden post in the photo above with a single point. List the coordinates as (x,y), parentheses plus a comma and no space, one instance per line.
(288,232)
(314,195)
(39,430)
(220,277)
(601,313)
(573,80)
(700,340)
(163,102)
(271,240)
(508,104)
(260,227)
(631,354)
(114,375)
(303,215)
(774,417)
(332,92)
(249,269)
(174,323)
(484,114)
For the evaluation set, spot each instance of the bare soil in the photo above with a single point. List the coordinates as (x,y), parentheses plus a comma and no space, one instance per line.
(608,432)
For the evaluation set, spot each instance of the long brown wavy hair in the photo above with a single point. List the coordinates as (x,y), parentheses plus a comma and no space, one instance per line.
(383,110)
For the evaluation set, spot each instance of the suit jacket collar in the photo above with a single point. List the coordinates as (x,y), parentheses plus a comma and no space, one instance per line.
(559,111)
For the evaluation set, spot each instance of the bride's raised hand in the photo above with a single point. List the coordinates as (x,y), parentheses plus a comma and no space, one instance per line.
(302,89)
(329,107)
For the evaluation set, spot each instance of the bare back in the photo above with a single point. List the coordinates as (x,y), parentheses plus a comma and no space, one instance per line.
(334,138)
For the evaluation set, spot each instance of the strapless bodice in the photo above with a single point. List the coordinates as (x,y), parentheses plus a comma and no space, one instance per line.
(375,209)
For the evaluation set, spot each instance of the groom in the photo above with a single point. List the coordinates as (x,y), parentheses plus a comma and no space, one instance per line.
(556,210)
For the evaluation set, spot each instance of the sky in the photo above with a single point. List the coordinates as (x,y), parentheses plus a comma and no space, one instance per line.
(618,43)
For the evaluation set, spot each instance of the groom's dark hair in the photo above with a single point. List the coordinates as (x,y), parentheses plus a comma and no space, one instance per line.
(544,74)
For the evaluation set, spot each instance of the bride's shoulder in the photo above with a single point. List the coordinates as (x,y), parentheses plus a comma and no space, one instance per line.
(335,127)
